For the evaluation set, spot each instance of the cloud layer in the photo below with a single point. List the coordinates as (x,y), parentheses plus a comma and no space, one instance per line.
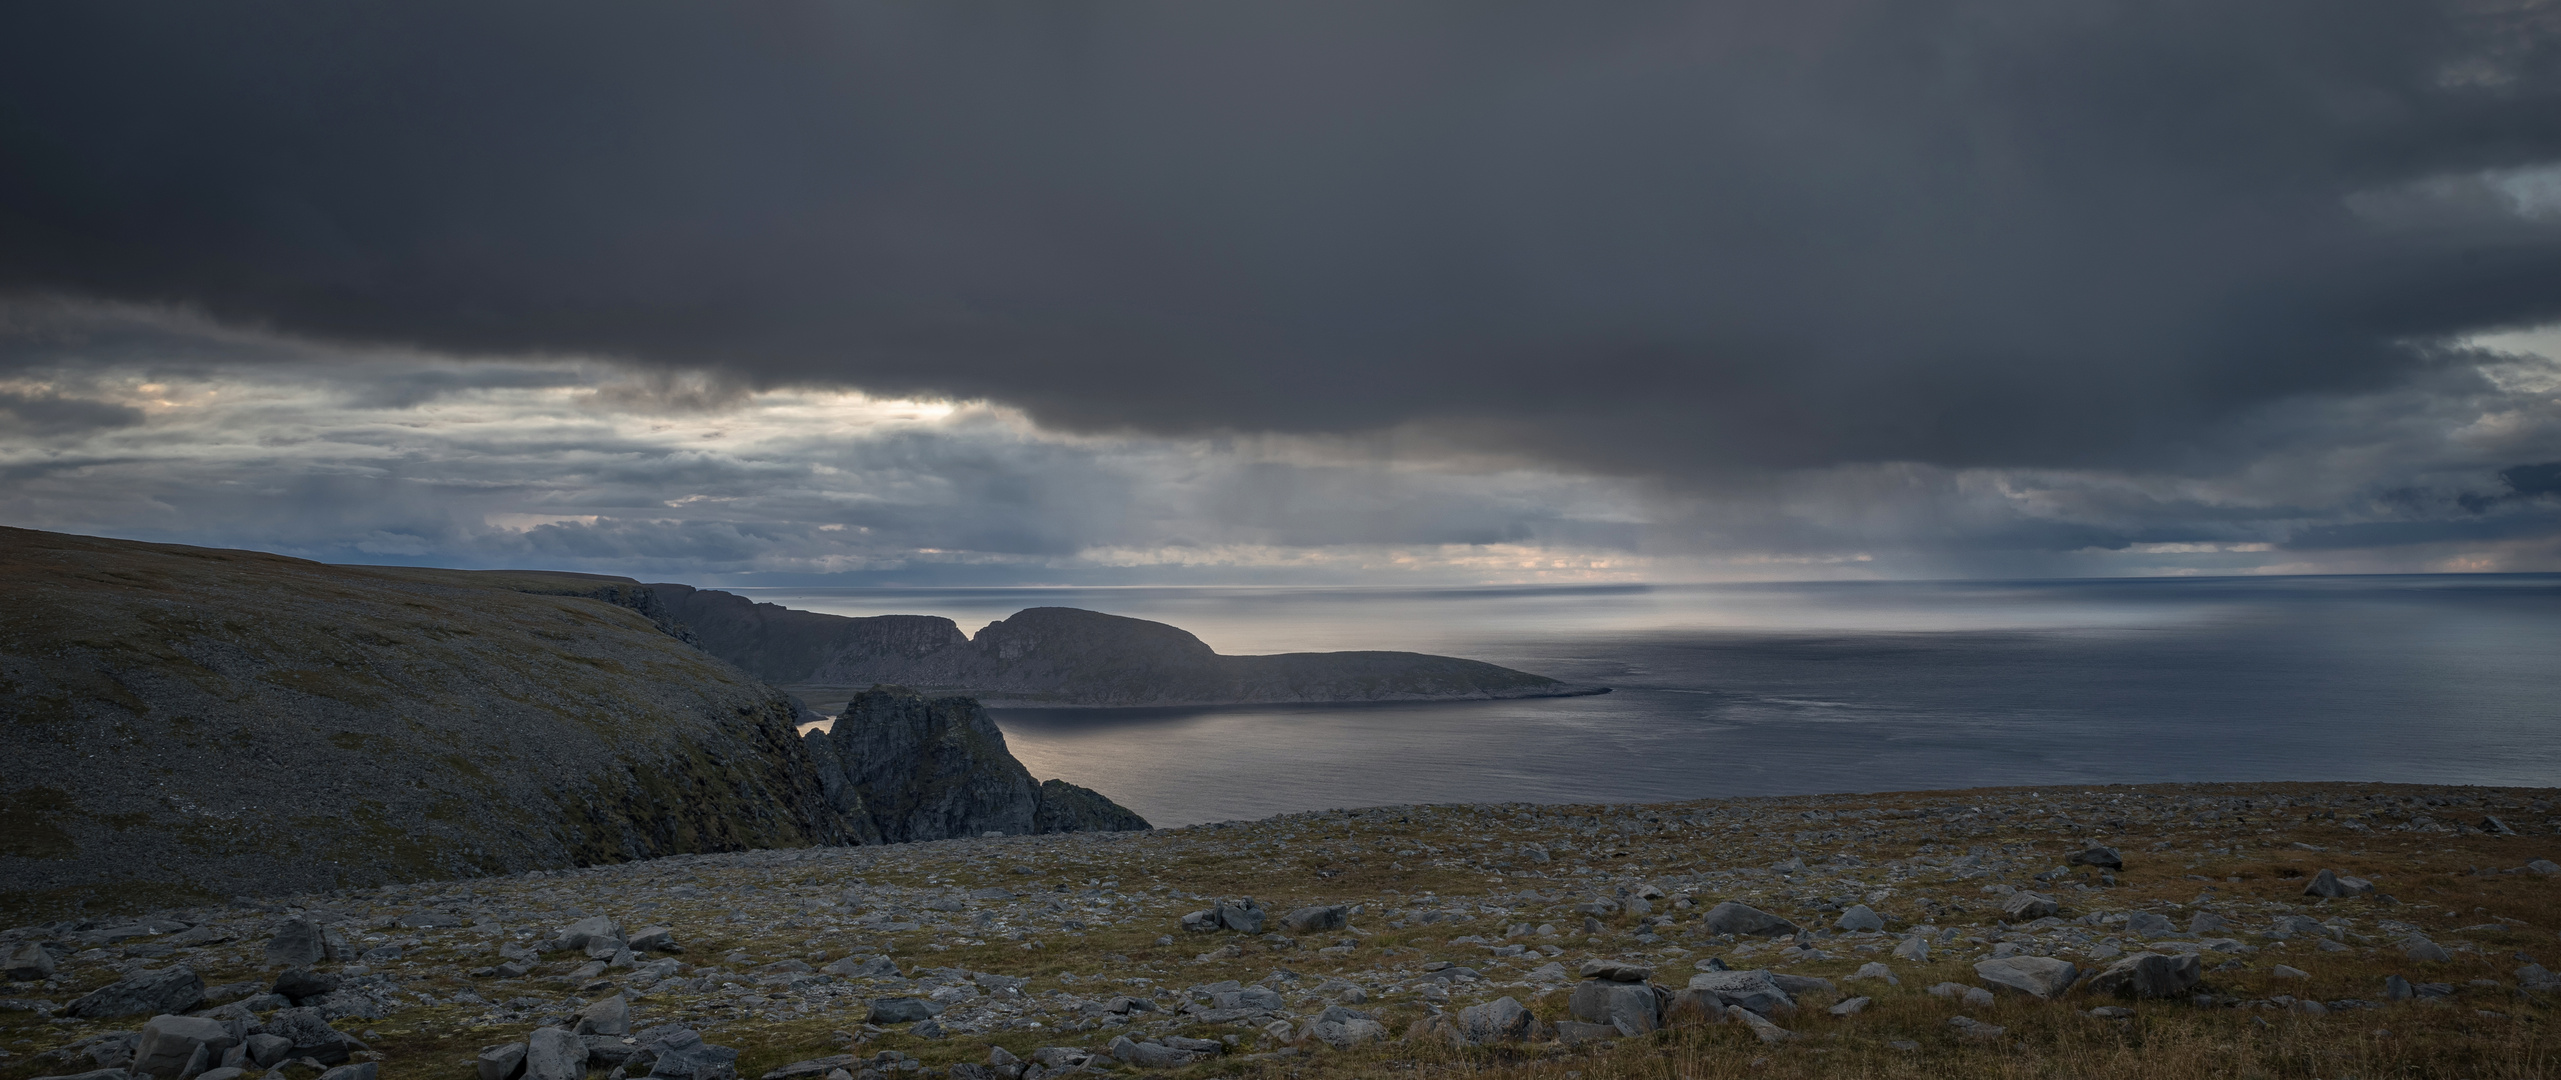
(1668,240)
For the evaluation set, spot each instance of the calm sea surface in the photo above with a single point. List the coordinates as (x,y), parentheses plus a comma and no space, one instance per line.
(1780,689)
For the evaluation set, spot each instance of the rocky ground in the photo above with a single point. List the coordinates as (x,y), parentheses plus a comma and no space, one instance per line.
(1937,933)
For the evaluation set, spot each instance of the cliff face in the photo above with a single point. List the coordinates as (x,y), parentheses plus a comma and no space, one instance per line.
(1067,656)
(183,722)
(930,768)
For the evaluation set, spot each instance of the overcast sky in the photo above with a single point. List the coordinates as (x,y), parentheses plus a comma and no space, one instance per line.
(1302,291)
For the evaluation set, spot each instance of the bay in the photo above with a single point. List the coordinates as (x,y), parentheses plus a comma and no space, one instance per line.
(1825,687)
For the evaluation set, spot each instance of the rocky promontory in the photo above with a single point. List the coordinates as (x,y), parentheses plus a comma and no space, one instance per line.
(1065,657)
(195,723)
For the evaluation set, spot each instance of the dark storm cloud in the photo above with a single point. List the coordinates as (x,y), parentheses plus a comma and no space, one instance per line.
(1636,236)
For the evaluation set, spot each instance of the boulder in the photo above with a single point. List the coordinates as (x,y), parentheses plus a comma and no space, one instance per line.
(1632,1007)
(654,939)
(2147,924)
(297,984)
(2288,926)
(585,933)
(1968,1027)
(1859,919)
(1762,1028)
(298,943)
(2330,885)
(505,1061)
(170,1043)
(1752,991)
(266,1051)
(878,967)
(309,1033)
(1974,996)
(1243,916)
(1914,948)
(1874,970)
(1693,1007)
(612,1016)
(902,1010)
(2545,867)
(2207,922)
(1848,1006)
(1149,1055)
(2422,949)
(2105,858)
(31,963)
(2042,976)
(1800,985)
(1308,920)
(677,1053)
(554,1054)
(1577,1033)
(2149,975)
(1733,918)
(1616,971)
(1343,1028)
(1499,1020)
(2534,977)
(144,993)
(2028,906)
(362,1070)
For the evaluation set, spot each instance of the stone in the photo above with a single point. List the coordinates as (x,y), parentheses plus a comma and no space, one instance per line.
(2112,1012)
(2422,949)
(2028,906)
(1859,919)
(1733,918)
(1316,917)
(1616,971)
(298,943)
(2105,858)
(1874,970)
(1752,991)
(1338,1027)
(2283,971)
(2290,926)
(612,1016)
(1847,1006)
(1915,949)
(2330,885)
(654,939)
(1550,972)
(1499,1020)
(505,1061)
(902,1010)
(266,1050)
(1577,1032)
(31,964)
(878,967)
(2207,922)
(168,1043)
(2149,975)
(2042,976)
(144,993)
(1970,1028)
(680,1053)
(1693,1007)
(2149,925)
(587,932)
(2396,988)
(1148,1055)
(1970,995)
(309,1031)
(1631,1007)
(1762,1028)
(555,1054)
(1243,916)
(362,1070)
(296,984)
(227,1072)
(2545,867)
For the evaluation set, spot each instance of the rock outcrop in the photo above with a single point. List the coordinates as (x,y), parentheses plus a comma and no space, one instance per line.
(916,768)
(1066,657)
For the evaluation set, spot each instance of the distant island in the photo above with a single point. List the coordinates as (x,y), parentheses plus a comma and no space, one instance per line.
(1063,657)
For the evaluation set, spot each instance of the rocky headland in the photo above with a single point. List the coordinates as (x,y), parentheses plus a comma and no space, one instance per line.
(2181,931)
(1064,657)
(187,723)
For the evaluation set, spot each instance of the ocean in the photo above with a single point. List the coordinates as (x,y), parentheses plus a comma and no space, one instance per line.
(1769,689)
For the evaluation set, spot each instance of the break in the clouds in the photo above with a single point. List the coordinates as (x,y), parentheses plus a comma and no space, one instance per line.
(180,429)
(1961,286)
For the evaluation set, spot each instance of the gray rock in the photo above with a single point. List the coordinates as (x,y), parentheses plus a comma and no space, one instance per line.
(1550,972)
(1733,918)
(1499,1020)
(94,1074)
(680,1054)
(1149,1055)
(2420,948)
(1848,1006)
(505,1061)
(2396,988)
(1693,1006)
(2147,924)
(2289,926)
(2330,885)
(1974,996)
(1577,1032)
(902,1010)
(362,1070)
(2027,906)
(851,967)
(1632,1007)
(554,1054)
(1243,916)
(144,993)
(2207,922)
(2042,976)
(1970,1028)
(2282,971)
(1762,1028)
(1874,970)
(2105,858)
(1308,920)
(1753,991)
(1616,971)
(31,963)
(1859,919)
(927,768)
(2534,977)
(2545,867)
(298,943)
(2149,975)
(813,1067)
(266,1050)
(227,1072)
(654,939)
(297,984)
(1915,949)
(168,1043)
(1338,1027)
(612,1016)
(586,933)
(309,1031)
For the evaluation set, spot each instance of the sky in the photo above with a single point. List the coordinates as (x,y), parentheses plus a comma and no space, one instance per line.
(1294,293)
